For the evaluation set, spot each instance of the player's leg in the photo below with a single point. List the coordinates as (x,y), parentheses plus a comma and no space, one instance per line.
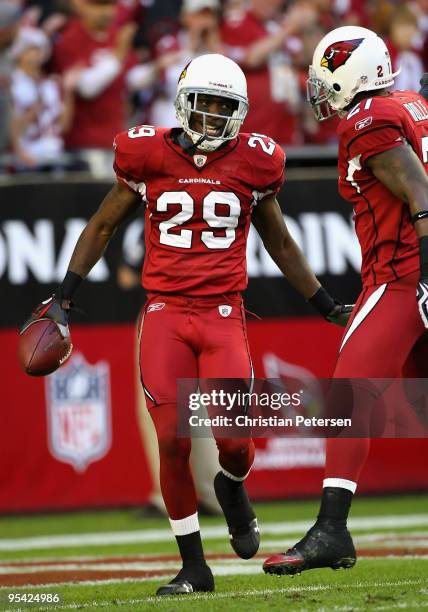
(377,343)
(165,356)
(224,355)
(205,465)
(156,505)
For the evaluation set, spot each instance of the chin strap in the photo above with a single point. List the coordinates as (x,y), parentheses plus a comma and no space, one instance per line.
(190,149)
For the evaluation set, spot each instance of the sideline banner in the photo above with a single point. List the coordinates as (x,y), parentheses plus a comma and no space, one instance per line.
(72,440)
(40,224)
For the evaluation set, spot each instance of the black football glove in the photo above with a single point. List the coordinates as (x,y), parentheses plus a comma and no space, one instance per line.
(340,314)
(422,299)
(54,308)
(332,310)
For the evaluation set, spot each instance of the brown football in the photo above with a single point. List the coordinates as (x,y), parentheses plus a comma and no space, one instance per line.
(42,348)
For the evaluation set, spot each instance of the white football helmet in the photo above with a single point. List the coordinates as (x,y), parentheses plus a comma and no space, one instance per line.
(346,61)
(217,75)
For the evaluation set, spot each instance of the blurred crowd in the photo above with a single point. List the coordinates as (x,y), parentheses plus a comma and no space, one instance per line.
(73,73)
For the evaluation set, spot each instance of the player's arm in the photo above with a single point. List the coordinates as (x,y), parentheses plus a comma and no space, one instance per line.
(117,206)
(269,223)
(402,172)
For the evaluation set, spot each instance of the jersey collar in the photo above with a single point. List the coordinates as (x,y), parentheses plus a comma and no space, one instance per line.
(172,141)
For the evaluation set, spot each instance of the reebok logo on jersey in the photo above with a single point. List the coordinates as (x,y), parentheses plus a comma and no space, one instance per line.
(338,53)
(362,123)
(156,306)
(225,310)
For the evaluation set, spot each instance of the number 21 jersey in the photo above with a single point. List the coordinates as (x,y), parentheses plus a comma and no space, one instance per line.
(197,207)
(388,241)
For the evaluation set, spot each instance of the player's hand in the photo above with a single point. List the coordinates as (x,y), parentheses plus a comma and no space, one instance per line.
(340,314)
(54,308)
(331,309)
(422,298)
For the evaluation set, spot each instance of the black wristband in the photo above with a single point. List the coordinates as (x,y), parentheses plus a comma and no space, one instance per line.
(322,301)
(423,256)
(419,215)
(69,285)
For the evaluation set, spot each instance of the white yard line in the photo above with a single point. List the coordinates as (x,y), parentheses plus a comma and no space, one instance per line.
(146,536)
(218,569)
(413,539)
(139,566)
(217,565)
(228,594)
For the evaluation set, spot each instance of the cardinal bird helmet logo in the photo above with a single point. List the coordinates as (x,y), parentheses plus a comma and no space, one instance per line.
(338,53)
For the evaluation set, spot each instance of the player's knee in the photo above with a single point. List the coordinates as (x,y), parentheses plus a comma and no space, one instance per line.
(235,447)
(171,446)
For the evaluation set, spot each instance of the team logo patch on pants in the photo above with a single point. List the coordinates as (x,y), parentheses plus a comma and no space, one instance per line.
(225,310)
(156,306)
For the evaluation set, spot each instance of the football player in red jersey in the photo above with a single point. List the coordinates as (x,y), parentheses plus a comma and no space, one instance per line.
(383,157)
(201,185)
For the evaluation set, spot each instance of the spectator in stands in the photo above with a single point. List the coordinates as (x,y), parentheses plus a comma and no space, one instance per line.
(40,113)
(97,56)
(198,34)
(403,34)
(9,20)
(49,15)
(420,10)
(314,132)
(262,40)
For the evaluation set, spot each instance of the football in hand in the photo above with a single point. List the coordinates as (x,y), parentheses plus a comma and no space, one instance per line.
(42,348)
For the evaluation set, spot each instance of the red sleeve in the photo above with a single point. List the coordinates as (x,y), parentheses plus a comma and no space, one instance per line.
(268,169)
(278,169)
(379,138)
(373,131)
(129,161)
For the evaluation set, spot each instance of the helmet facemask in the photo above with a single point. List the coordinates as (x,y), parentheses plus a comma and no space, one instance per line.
(228,125)
(318,94)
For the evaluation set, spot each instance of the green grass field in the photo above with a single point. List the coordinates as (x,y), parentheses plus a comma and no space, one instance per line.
(116,560)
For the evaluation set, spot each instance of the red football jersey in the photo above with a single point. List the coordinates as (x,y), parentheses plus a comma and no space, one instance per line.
(383,224)
(198,207)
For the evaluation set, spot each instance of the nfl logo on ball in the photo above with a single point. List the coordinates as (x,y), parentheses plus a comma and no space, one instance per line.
(79,412)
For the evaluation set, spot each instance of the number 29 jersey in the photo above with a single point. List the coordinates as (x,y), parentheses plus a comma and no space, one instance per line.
(197,207)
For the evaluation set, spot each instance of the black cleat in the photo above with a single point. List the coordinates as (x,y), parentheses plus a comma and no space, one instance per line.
(324,545)
(241,520)
(190,579)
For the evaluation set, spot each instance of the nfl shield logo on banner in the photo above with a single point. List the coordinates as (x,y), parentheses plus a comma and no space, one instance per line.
(225,310)
(79,412)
